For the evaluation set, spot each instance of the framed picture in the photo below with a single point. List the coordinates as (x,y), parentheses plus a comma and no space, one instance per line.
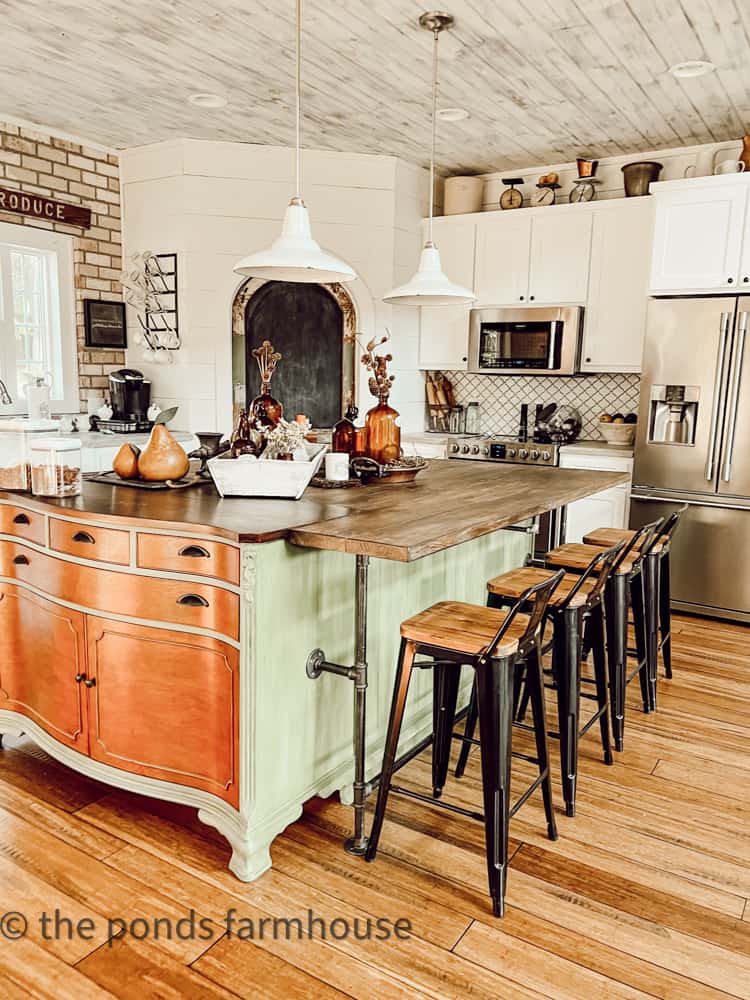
(105,324)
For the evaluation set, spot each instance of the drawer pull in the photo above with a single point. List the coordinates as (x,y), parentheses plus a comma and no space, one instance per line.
(193,601)
(21,560)
(79,678)
(84,536)
(21,519)
(90,682)
(194,552)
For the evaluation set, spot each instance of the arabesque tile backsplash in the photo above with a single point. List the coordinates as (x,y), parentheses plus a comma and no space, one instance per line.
(501,396)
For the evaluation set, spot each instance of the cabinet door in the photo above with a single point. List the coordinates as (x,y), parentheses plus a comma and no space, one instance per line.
(608,509)
(164,705)
(560,254)
(444,330)
(698,239)
(502,266)
(42,651)
(615,318)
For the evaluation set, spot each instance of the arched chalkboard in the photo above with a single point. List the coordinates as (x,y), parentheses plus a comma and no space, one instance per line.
(305,324)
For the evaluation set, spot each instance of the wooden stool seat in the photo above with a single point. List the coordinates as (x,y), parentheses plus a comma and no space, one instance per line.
(464,628)
(611,536)
(514,583)
(577,556)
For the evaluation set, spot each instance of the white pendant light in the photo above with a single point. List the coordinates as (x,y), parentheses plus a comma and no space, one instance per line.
(295,256)
(430,286)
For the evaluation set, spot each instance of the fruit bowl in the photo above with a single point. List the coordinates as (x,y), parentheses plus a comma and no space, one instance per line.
(622,435)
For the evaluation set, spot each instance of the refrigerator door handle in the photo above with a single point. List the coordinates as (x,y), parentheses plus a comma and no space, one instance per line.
(734,396)
(679,501)
(717,404)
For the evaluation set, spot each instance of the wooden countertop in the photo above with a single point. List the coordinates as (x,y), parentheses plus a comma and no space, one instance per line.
(449,503)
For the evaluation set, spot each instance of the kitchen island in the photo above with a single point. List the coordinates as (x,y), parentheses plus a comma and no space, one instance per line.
(157,641)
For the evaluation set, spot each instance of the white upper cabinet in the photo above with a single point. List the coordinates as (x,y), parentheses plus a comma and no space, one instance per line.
(528,257)
(502,265)
(560,254)
(444,330)
(699,233)
(615,318)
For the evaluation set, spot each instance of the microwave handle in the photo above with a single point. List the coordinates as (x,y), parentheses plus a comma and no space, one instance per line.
(555,329)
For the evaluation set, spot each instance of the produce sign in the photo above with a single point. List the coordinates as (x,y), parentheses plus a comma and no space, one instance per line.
(44,208)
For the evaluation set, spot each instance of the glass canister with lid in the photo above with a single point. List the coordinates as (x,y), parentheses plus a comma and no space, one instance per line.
(56,467)
(16,437)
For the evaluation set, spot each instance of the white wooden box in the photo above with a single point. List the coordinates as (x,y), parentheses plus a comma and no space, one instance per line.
(250,477)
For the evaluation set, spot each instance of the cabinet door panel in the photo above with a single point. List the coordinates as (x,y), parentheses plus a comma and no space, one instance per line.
(698,239)
(560,254)
(42,649)
(164,705)
(502,266)
(608,509)
(615,318)
(444,330)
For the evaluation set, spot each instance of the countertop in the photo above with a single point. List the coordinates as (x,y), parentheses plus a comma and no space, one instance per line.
(599,448)
(448,503)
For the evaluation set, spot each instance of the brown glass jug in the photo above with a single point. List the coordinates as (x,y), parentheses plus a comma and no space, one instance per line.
(383,433)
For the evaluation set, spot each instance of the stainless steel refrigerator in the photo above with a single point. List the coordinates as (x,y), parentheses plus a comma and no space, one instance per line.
(693,446)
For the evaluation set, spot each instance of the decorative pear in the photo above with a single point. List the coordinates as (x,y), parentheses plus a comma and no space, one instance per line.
(163,458)
(126,461)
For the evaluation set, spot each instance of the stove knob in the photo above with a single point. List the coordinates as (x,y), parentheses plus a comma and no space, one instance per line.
(511,452)
(455,449)
(485,451)
(534,454)
(546,455)
(475,450)
(465,450)
(523,453)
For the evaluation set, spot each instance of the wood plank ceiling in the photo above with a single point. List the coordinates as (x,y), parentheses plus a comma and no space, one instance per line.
(543,80)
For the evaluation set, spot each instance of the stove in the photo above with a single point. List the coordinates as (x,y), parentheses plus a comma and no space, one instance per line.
(503,448)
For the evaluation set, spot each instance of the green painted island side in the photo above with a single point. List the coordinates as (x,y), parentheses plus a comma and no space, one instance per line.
(296,733)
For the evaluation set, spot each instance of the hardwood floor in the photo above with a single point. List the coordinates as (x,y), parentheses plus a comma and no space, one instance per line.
(645,894)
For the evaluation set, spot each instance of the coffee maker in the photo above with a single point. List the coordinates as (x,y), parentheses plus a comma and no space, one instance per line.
(130,398)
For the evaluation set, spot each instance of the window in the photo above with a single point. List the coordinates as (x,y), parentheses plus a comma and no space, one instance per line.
(37,316)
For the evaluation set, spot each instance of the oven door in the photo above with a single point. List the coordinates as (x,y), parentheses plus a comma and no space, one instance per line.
(525,341)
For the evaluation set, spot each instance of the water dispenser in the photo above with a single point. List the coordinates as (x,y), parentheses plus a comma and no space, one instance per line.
(673,414)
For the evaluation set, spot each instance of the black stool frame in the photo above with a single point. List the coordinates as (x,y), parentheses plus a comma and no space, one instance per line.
(495,679)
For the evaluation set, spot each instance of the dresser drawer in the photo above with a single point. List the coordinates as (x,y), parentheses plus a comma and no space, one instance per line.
(22,523)
(77,539)
(172,601)
(187,555)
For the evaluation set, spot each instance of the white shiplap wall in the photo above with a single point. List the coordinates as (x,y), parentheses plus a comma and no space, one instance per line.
(213,202)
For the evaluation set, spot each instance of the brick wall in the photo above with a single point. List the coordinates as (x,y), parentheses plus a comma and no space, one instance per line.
(67,171)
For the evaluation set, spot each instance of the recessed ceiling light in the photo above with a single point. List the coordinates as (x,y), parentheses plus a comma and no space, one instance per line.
(693,67)
(452,114)
(208,100)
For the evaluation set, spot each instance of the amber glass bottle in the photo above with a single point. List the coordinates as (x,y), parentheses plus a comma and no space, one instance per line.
(383,433)
(344,432)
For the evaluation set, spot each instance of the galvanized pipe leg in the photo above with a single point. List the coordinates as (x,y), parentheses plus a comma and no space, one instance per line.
(357,844)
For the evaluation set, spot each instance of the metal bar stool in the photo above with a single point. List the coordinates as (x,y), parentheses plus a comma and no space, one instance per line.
(625,588)
(495,644)
(661,551)
(576,608)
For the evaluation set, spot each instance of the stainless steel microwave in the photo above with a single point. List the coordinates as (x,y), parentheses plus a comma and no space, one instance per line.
(536,341)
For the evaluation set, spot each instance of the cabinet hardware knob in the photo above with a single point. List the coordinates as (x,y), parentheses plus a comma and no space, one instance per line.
(531,298)
(21,560)
(84,536)
(730,281)
(90,682)
(21,519)
(521,298)
(745,279)
(79,678)
(464,359)
(588,361)
(193,601)
(194,552)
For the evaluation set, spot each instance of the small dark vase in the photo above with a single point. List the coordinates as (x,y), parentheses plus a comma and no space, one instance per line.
(264,409)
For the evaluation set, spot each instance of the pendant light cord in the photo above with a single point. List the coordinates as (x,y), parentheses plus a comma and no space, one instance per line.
(298,94)
(435,36)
